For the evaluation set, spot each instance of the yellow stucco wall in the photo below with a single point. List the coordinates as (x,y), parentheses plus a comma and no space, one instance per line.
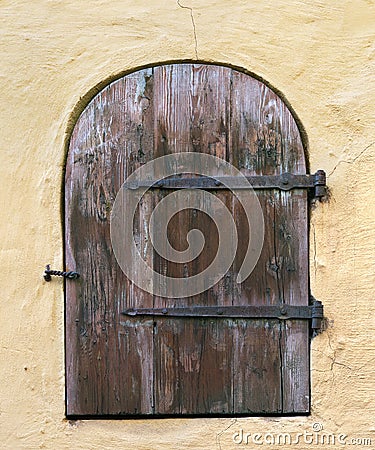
(321,56)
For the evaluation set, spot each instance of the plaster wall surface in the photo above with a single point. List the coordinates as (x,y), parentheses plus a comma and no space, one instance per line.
(320,55)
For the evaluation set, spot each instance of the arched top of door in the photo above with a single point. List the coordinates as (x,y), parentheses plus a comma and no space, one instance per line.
(245,112)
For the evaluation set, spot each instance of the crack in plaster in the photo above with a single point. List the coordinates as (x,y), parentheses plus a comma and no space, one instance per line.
(194,27)
(218,436)
(332,359)
(351,161)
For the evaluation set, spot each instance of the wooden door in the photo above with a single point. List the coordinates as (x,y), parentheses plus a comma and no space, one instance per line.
(142,365)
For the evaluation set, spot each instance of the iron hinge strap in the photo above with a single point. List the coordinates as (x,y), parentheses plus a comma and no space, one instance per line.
(285,182)
(313,312)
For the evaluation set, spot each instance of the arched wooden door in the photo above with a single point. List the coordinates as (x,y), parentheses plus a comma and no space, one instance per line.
(118,364)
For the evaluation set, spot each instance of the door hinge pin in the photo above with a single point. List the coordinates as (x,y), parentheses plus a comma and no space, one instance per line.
(58,273)
(316,315)
(320,184)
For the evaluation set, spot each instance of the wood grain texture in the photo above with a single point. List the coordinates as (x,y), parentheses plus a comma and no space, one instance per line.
(117,365)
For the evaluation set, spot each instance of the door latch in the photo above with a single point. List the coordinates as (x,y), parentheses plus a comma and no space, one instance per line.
(58,273)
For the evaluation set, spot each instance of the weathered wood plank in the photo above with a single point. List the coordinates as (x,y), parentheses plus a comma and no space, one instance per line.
(106,146)
(192,116)
(265,131)
(291,224)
